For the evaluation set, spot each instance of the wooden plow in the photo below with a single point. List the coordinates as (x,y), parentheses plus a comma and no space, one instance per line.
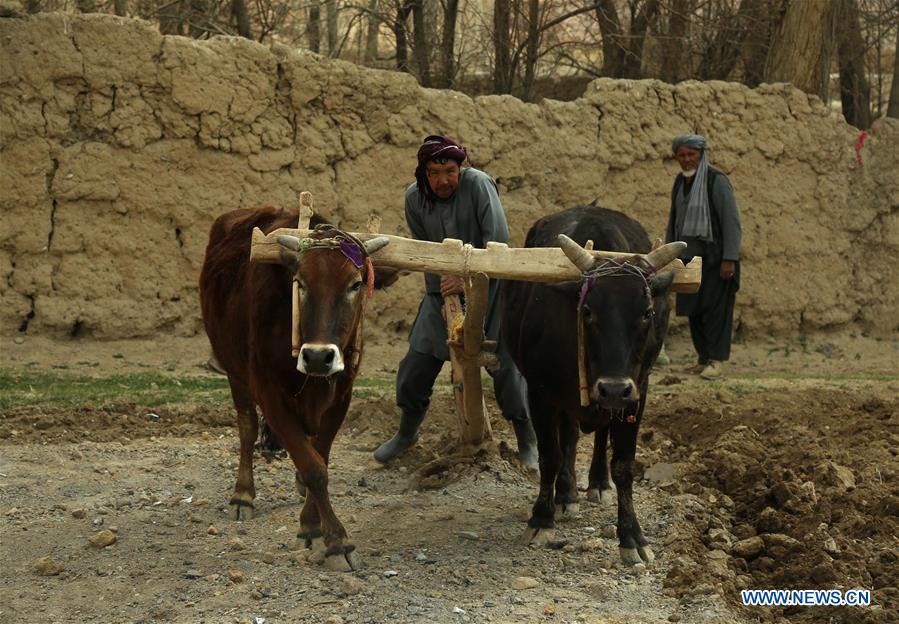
(469,350)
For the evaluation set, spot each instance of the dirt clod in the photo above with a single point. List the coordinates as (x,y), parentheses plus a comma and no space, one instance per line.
(103,539)
(48,566)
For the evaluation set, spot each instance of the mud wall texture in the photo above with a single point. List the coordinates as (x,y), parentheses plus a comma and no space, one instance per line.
(118,148)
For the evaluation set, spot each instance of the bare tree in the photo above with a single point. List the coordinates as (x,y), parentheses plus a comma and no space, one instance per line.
(331,21)
(623,52)
(673,69)
(803,46)
(762,16)
(613,46)
(726,41)
(403,8)
(893,108)
(531,55)
(371,37)
(120,7)
(448,44)
(633,56)
(420,45)
(241,17)
(854,90)
(502,46)
(313,26)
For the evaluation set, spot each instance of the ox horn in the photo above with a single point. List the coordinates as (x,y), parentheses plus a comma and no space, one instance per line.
(375,244)
(291,242)
(582,259)
(658,258)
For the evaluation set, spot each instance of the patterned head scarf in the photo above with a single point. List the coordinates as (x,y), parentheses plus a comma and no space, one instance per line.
(696,222)
(439,148)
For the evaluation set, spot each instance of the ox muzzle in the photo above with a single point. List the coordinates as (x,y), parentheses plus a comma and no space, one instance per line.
(616,393)
(320,360)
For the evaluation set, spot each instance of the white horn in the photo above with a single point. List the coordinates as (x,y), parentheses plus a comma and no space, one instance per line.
(581,258)
(375,244)
(291,242)
(658,258)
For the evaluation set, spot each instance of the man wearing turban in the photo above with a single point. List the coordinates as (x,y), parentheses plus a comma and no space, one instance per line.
(704,215)
(448,201)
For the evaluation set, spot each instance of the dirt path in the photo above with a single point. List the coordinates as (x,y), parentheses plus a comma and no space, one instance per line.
(787,450)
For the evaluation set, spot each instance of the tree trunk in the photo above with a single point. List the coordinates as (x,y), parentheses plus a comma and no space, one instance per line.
(761,16)
(673,47)
(120,7)
(612,41)
(855,94)
(448,44)
(803,47)
(313,26)
(331,21)
(241,18)
(86,6)
(502,46)
(420,47)
(893,108)
(403,7)
(371,35)
(33,6)
(633,55)
(529,88)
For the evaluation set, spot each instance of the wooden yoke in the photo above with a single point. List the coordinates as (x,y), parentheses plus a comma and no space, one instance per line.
(497,261)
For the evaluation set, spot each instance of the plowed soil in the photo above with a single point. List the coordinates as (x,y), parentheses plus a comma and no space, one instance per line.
(796,447)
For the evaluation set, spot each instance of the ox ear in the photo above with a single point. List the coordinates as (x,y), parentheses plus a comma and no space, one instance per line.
(288,246)
(375,244)
(570,290)
(660,283)
(658,258)
(291,242)
(582,259)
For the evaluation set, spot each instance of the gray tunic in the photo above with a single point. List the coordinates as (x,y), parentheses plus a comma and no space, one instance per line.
(725,223)
(473,215)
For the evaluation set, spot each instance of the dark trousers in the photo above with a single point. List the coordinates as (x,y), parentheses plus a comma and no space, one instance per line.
(418,371)
(711,313)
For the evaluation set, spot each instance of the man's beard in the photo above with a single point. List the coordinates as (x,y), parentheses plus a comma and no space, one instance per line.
(689,174)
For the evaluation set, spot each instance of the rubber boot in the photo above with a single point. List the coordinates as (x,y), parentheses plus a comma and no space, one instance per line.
(404,438)
(527,443)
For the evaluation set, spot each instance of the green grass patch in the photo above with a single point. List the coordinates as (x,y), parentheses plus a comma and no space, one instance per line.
(20,389)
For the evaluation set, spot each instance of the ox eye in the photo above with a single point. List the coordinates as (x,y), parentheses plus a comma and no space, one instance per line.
(355,287)
(647,315)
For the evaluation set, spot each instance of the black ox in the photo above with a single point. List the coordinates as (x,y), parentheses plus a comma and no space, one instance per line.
(624,306)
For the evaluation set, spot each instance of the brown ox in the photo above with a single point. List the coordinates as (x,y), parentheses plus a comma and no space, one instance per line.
(247,314)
